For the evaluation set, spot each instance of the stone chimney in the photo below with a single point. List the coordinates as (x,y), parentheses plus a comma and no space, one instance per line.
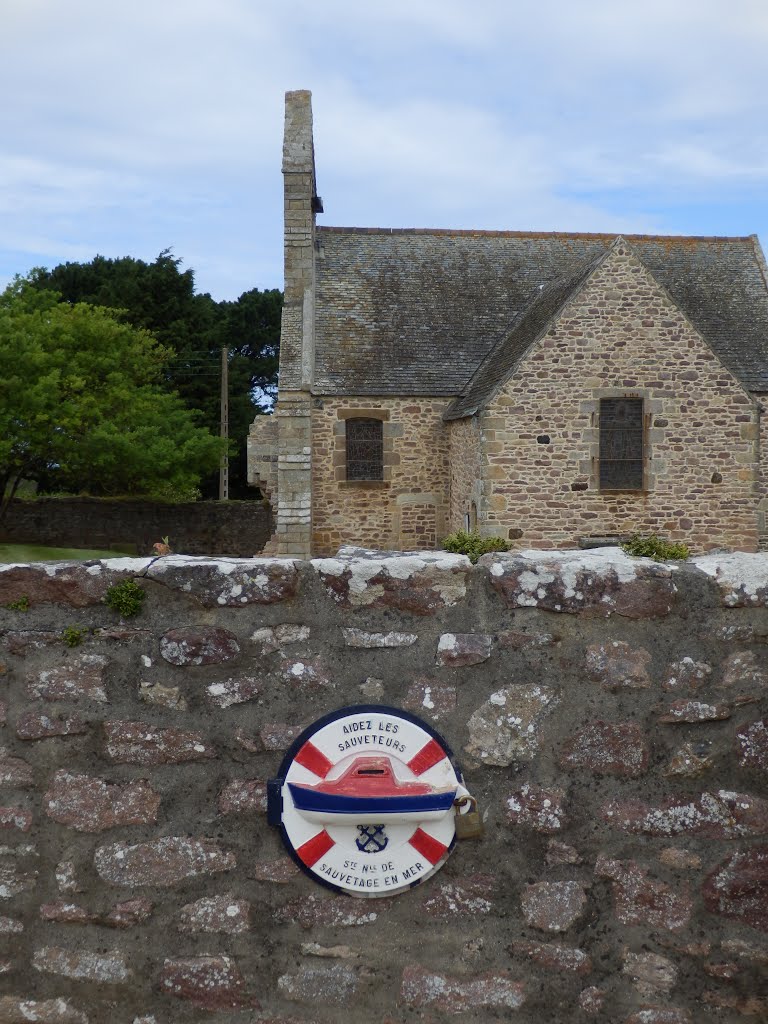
(300,204)
(297,356)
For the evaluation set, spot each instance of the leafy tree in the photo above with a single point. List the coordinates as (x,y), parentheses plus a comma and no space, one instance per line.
(161,298)
(156,296)
(252,333)
(83,404)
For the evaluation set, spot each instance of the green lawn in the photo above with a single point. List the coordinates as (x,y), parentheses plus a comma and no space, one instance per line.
(36,553)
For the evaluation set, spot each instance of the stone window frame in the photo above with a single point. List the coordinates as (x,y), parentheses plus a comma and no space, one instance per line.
(340,447)
(365,449)
(627,463)
(651,407)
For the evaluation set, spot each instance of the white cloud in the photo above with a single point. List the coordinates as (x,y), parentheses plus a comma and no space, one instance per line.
(137,127)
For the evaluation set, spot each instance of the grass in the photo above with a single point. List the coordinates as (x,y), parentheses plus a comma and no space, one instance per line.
(38,553)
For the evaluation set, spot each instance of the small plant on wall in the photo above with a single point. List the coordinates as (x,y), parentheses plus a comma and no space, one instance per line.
(473,545)
(73,636)
(125,598)
(654,547)
(21,604)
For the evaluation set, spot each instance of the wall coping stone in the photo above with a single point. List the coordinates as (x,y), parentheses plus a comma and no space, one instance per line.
(599,581)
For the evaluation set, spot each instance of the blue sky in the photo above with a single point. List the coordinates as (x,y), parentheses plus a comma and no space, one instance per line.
(127,129)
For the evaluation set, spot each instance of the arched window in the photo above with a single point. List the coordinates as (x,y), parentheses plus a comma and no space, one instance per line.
(365,449)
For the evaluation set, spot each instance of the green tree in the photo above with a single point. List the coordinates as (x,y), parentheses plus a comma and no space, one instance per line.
(157,296)
(83,404)
(250,328)
(161,298)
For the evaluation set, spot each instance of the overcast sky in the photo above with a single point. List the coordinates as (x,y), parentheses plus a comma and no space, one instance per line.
(127,128)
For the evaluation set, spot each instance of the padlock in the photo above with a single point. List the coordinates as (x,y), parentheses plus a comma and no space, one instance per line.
(468,825)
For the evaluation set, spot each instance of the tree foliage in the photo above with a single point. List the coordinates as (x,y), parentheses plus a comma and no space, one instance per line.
(84,406)
(161,298)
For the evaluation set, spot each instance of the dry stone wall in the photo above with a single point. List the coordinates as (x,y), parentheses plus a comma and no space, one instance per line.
(609,714)
(193,527)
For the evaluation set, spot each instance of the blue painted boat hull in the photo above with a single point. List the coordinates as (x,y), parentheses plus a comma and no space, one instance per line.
(329,808)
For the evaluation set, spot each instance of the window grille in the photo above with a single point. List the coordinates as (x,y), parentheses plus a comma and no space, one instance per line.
(365,449)
(621,444)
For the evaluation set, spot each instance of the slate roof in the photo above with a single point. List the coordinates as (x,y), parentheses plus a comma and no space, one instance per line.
(415,312)
(500,362)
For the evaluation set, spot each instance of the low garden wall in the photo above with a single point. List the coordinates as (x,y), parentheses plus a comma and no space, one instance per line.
(608,713)
(195,528)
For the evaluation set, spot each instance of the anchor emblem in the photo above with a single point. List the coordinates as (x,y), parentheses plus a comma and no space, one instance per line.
(372,838)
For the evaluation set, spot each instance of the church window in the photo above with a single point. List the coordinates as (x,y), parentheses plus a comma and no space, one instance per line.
(622,457)
(365,449)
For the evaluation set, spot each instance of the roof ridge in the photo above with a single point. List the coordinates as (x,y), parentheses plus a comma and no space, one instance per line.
(480,232)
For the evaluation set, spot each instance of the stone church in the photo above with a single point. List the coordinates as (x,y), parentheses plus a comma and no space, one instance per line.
(546,388)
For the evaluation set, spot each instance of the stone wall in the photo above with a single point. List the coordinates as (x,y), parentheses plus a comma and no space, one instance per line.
(196,528)
(262,446)
(408,509)
(465,473)
(622,336)
(609,715)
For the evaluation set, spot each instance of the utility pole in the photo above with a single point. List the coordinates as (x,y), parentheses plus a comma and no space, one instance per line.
(224,429)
